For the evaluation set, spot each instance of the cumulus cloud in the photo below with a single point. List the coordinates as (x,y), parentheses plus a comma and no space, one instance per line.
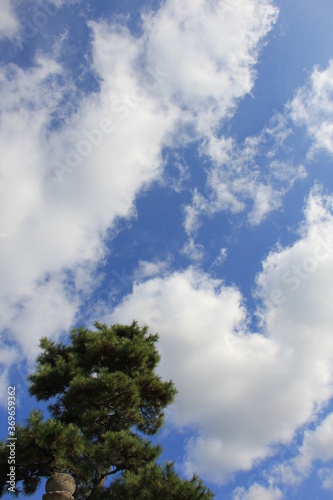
(67,171)
(210,50)
(63,188)
(312,106)
(244,391)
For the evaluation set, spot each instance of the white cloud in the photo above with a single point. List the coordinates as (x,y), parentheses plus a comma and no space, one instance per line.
(193,250)
(211,364)
(56,229)
(8,22)
(257,492)
(244,392)
(149,269)
(221,258)
(312,106)
(209,50)
(8,357)
(179,178)
(251,177)
(244,178)
(326,476)
(63,188)
(317,446)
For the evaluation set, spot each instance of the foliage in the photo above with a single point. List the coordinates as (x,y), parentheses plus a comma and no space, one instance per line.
(104,398)
(157,482)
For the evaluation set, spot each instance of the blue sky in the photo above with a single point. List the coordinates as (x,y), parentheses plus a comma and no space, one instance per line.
(170,162)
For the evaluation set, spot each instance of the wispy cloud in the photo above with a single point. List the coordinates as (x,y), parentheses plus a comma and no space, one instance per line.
(257,492)
(326,476)
(316,448)
(312,106)
(252,177)
(249,178)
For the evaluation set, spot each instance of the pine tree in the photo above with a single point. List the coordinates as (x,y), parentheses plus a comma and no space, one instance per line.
(104,400)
